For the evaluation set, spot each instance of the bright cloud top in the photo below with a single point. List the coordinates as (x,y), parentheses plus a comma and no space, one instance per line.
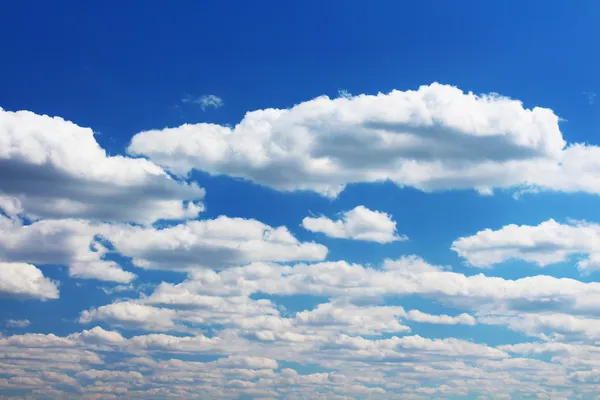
(433,138)
(52,168)
(547,243)
(360,223)
(25,280)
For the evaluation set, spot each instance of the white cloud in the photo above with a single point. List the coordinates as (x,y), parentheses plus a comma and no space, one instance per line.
(547,243)
(52,168)
(360,223)
(405,276)
(130,314)
(25,280)
(18,323)
(75,243)
(462,319)
(434,138)
(218,243)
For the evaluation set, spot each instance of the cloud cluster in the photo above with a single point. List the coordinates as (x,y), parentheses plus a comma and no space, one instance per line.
(255,312)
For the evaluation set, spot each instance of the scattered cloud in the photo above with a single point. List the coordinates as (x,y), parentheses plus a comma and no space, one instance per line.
(590,96)
(257,310)
(17,323)
(360,223)
(204,101)
(26,281)
(548,243)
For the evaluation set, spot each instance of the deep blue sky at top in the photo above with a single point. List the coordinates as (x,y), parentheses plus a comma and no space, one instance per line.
(122,67)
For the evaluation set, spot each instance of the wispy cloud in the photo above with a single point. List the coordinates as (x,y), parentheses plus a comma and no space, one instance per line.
(591,97)
(18,323)
(344,93)
(204,101)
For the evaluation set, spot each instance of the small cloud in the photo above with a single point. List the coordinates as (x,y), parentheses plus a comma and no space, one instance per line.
(205,101)
(18,323)
(591,97)
(117,289)
(344,93)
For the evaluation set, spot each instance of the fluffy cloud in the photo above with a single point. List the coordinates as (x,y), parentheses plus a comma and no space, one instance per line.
(217,243)
(433,138)
(405,276)
(131,314)
(76,243)
(547,243)
(25,280)
(82,245)
(359,223)
(52,168)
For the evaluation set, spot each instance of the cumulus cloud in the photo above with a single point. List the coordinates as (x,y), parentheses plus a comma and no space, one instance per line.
(25,280)
(52,168)
(218,243)
(130,314)
(84,245)
(434,138)
(547,243)
(76,243)
(360,223)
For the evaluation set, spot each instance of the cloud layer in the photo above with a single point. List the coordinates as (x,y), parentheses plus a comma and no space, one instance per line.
(184,307)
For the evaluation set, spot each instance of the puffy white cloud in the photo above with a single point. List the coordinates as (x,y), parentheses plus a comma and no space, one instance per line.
(52,168)
(462,319)
(218,243)
(406,276)
(547,243)
(25,280)
(433,138)
(360,223)
(548,324)
(353,319)
(76,243)
(130,314)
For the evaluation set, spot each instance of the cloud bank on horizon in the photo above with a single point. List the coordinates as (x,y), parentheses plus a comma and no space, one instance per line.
(239,308)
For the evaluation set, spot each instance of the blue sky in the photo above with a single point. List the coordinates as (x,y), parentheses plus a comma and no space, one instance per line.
(299,200)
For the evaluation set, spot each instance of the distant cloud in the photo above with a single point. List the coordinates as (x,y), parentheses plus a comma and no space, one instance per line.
(344,93)
(591,97)
(18,323)
(204,101)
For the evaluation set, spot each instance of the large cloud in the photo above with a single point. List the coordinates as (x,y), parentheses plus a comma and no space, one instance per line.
(75,243)
(434,138)
(547,243)
(52,168)
(83,245)
(25,280)
(217,243)
(360,223)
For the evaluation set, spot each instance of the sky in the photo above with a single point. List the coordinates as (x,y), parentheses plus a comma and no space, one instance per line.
(299,200)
